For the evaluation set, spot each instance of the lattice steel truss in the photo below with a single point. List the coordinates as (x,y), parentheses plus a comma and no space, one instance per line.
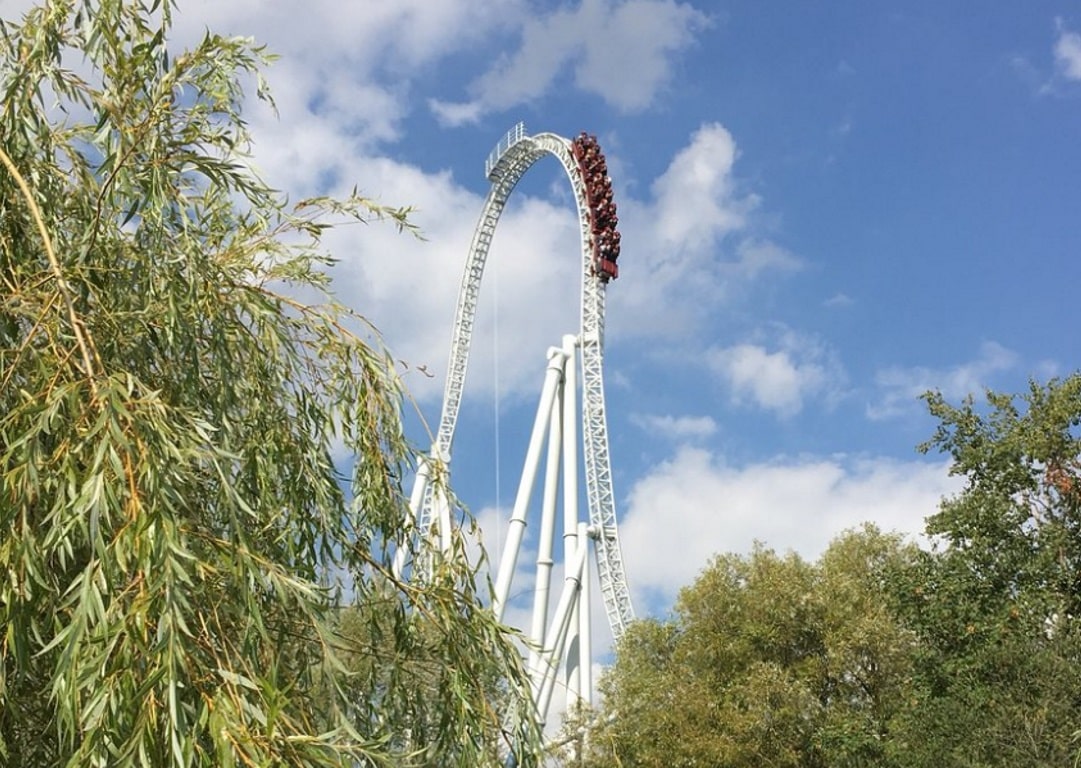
(513,156)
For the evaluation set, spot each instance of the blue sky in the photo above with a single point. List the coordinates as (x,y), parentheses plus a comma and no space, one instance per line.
(826,209)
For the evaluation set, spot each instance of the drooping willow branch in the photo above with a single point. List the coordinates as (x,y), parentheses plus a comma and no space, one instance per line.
(82,338)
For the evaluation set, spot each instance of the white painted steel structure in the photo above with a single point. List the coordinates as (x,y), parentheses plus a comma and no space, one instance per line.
(567,637)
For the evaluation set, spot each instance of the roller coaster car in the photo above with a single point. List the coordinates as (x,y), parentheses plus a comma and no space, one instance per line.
(607,270)
(578,150)
(598,189)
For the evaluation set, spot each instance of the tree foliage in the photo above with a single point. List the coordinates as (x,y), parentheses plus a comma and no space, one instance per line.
(997,674)
(882,654)
(179,541)
(769,660)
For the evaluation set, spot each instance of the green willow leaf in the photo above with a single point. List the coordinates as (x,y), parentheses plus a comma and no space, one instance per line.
(187,578)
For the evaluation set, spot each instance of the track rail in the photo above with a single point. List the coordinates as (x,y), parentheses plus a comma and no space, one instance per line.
(512,157)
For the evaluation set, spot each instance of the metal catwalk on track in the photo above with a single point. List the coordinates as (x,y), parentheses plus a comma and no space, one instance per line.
(561,640)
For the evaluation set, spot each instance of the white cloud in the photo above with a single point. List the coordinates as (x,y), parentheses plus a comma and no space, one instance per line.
(635,39)
(781,380)
(839,300)
(327,142)
(1068,53)
(347,67)
(695,204)
(693,245)
(452,114)
(393,35)
(901,388)
(409,287)
(530,297)
(676,427)
(342,85)
(618,50)
(755,256)
(771,379)
(695,506)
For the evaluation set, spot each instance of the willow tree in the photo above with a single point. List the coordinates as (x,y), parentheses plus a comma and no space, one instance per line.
(177,536)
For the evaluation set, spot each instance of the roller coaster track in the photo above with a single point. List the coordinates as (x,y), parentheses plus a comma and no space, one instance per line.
(515,154)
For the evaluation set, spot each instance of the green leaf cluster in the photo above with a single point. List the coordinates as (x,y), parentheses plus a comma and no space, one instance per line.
(768,660)
(996,605)
(881,654)
(187,576)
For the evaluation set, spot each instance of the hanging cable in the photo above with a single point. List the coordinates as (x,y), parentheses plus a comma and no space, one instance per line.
(495,398)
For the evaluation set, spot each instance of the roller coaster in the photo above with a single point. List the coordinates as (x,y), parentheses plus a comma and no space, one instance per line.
(561,640)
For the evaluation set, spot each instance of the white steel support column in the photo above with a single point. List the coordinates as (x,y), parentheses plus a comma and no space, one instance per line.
(577,456)
(446,533)
(516,529)
(512,157)
(571,516)
(547,531)
(557,635)
(585,636)
(420,487)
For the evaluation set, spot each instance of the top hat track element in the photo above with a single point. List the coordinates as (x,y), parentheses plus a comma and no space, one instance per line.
(508,162)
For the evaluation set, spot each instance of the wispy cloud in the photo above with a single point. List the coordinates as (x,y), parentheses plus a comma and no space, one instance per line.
(620,51)
(676,427)
(348,69)
(781,377)
(900,388)
(1066,65)
(1068,52)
